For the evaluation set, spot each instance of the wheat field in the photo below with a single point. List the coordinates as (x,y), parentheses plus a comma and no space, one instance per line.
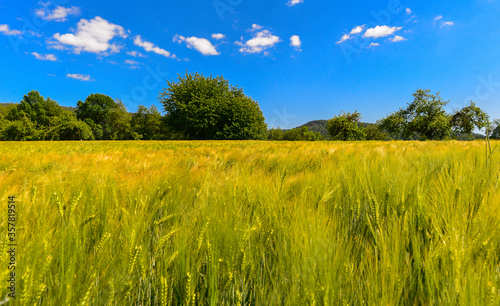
(252,223)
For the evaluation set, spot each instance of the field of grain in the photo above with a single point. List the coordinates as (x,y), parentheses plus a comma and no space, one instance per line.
(252,223)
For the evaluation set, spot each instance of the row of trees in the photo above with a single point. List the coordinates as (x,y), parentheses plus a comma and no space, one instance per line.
(198,107)
(99,117)
(425,119)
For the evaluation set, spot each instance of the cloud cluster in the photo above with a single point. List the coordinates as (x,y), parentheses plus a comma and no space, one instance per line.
(93,36)
(58,14)
(260,42)
(376,32)
(150,47)
(202,45)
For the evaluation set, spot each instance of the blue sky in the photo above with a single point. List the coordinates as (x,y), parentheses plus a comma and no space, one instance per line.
(301,60)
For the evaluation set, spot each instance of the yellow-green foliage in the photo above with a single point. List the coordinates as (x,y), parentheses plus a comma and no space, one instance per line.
(224,223)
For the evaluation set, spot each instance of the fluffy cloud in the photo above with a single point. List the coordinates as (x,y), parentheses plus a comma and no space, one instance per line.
(448,24)
(294,2)
(344,38)
(398,38)
(373,45)
(408,11)
(357,29)
(150,47)
(381,31)
(259,43)
(93,36)
(295,41)
(4,29)
(218,36)
(58,14)
(135,54)
(437,18)
(44,57)
(81,77)
(255,27)
(202,45)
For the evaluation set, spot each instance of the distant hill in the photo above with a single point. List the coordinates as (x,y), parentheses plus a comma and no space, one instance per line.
(319,126)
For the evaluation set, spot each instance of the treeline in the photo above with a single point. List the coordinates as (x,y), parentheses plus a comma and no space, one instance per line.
(423,119)
(98,118)
(203,108)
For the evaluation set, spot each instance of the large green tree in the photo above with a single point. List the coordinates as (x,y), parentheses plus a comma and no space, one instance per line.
(424,118)
(199,107)
(464,121)
(346,127)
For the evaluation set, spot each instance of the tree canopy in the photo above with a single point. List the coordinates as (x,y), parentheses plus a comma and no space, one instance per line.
(426,118)
(199,107)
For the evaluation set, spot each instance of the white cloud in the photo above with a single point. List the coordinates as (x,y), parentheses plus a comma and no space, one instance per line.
(294,2)
(93,36)
(259,43)
(381,31)
(255,27)
(204,46)
(135,54)
(218,36)
(437,18)
(45,57)
(357,29)
(150,47)
(4,29)
(81,77)
(398,38)
(344,38)
(448,24)
(295,41)
(373,45)
(408,11)
(58,14)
